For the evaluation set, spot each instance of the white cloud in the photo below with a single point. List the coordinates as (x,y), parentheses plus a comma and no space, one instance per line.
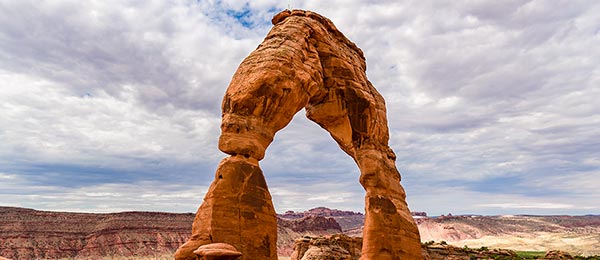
(478,93)
(49,124)
(137,196)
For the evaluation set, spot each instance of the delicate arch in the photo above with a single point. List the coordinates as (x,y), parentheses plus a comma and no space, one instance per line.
(304,62)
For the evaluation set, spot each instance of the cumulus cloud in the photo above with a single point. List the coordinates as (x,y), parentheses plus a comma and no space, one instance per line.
(494,101)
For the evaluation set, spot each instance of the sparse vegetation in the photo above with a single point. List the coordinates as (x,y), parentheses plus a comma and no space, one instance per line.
(531,254)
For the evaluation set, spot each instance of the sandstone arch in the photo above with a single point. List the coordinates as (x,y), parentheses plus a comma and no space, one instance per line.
(304,62)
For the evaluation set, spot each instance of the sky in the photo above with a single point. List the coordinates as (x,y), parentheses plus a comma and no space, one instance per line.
(108,106)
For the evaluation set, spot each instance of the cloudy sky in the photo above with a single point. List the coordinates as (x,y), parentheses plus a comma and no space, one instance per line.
(493,106)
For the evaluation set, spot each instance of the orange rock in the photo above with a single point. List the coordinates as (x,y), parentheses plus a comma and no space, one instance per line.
(237,210)
(304,62)
(218,251)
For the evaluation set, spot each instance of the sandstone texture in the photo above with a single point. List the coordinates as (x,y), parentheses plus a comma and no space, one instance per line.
(578,235)
(291,229)
(337,246)
(304,62)
(32,234)
(312,223)
(349,221)
(348,248)
(217,251)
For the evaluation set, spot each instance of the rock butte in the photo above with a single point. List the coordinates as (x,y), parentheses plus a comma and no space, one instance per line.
(304,62)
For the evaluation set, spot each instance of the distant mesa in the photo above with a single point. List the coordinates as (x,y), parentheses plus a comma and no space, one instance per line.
(418,214)
(311,223)
(32,234)
(319,211)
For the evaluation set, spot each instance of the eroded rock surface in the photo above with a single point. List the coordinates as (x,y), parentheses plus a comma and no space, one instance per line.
(304,62)
(336,246)
(217,251)
(33,234)
(291,229)
(348,248)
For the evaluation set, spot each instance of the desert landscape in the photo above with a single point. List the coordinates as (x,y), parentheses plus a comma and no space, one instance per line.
(120,118)
(32,234)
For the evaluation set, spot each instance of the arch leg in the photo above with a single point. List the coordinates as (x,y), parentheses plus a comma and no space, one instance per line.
(237,210)
(389,232)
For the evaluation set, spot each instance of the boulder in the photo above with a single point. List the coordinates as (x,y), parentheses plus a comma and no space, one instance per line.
(217,251)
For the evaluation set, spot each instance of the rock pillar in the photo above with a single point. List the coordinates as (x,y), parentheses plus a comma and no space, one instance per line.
(237,210)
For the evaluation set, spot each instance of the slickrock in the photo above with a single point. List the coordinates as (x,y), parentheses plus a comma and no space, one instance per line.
(304,62)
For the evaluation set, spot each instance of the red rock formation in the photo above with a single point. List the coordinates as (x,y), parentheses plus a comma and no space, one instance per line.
(329,247)
(32,234)
(311,223)
(349,221)
(345,247)
(217,251)
(289,230)
(304,62)
(319,211)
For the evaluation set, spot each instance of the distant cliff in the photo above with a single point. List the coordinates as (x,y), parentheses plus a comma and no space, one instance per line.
(350,222)
(288,230)
(32,234)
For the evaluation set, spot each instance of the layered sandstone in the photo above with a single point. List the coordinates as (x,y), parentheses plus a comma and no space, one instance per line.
(32,234)
(336,246)
(289,230)
(349,221)
(312,223)
(304,62)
